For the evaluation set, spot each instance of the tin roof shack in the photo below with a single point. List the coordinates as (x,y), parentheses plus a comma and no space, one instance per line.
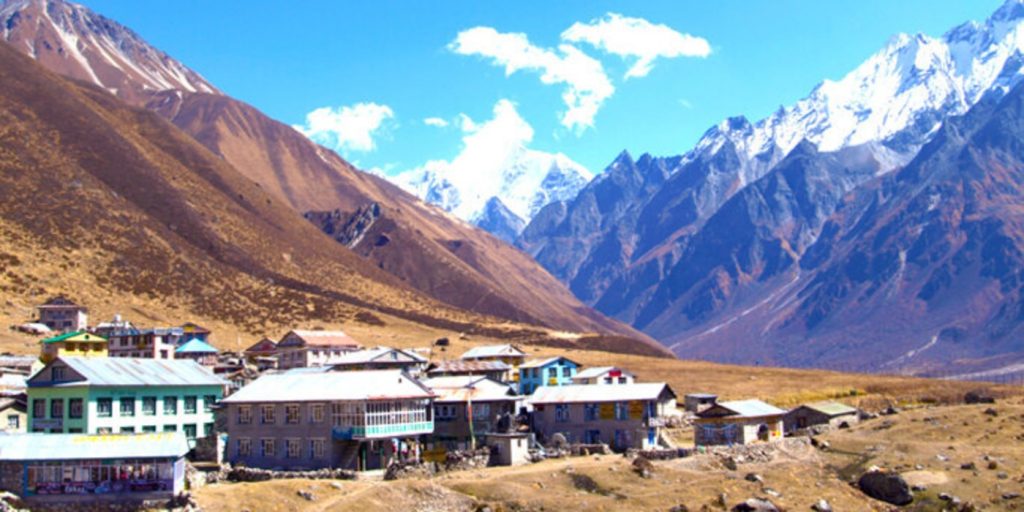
(62,314)
(622,416)
(79,343)
(699,402)
(194,331)
(303,349)
(508,354)
(604,375)
(122,395)
(305,419)
(380,358)
(494,370)
(738,422)
(829,414)
(553,371)
(458,399)
(99,471)
(198,351)
(156,343)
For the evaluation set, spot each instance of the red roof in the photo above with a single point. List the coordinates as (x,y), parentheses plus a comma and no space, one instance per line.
(319,339)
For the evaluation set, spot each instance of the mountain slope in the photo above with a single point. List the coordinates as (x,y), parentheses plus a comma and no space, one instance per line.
(626,253)
(917,271)
(428,250)
(79,43)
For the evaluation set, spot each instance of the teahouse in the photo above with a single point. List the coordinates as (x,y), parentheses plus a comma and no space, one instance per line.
(79,343)
(738,422)
(303,349)
(466,409)
(101,469)
(828,413)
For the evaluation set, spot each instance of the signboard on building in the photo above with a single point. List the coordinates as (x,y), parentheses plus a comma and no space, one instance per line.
(607,411)
(636,409)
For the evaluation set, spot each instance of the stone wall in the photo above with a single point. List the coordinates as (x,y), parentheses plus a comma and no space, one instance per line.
(244,474)
(454,461)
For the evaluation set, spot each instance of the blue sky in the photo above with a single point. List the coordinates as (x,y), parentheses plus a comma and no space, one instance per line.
(399,61)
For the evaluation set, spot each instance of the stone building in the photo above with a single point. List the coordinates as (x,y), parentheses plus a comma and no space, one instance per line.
(301,419)
(738,422)
(622,416)
(466,409)
(832,414)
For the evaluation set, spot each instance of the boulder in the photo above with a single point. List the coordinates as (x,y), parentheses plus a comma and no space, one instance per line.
(756,505)
(887,487)
(979,397)
(643,467)
(821,506)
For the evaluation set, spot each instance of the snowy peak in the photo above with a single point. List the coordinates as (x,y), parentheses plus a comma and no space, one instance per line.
(524,180)
(74,41)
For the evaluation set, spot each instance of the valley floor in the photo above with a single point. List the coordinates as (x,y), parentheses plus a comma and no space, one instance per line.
(928,445)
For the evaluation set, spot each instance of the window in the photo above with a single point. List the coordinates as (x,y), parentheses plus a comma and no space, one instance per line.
(208,402)
(127,406)
(292,448)
(244,414)
(190,404)
(104,407)
(75,408)
(316,448)
(207,429)
(566,371)
(149,428)
(622,380)
(170,428)
(481,411)
(190,431)
(552,373)
(39,408)
(149,406)
(171,405)
(562,412)
(621,411)
(57,408)
(444,412)
(244,447)
(128,430)
(267,447)
(13,421)
(316,413)
(291,413)
(58,373)
(104,430)
(590,412)
(267,415)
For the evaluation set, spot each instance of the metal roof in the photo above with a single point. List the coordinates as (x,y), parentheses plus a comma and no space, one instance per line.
(585,393)
(195,345)
(36,446)
(322,338)
(463,388)
(540,363)
(598,371)
(375,354)
(68,335)
(463,367)
(749,408)
(330,386)
(124,371)
(830,408)
(493,351)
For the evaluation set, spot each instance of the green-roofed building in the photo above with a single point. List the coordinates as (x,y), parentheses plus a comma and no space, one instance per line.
(826,414)
(77,344)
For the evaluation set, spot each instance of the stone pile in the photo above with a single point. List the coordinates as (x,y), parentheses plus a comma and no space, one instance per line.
(244,474)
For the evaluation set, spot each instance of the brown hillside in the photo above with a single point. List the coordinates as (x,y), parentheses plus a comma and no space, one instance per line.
(425,247)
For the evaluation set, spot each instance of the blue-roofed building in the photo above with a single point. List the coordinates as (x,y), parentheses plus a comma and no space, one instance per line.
(553,371)
(101,470)
(123,395)
(198,351)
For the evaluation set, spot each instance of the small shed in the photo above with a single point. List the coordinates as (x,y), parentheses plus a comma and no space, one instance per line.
(699,402)
(197,350)
(833,414)
(511,449)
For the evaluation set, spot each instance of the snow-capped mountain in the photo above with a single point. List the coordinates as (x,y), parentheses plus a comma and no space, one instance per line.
(524,180)
(77,42)
(913,82)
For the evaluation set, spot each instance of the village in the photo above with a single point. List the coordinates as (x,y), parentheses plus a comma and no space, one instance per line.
(115,413)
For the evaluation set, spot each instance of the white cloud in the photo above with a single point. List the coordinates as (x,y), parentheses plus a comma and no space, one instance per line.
(347,128)
(436,122)
(586,84)
(636,38)
(494,161)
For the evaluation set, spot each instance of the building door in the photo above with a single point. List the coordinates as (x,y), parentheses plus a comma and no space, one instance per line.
(762,432)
